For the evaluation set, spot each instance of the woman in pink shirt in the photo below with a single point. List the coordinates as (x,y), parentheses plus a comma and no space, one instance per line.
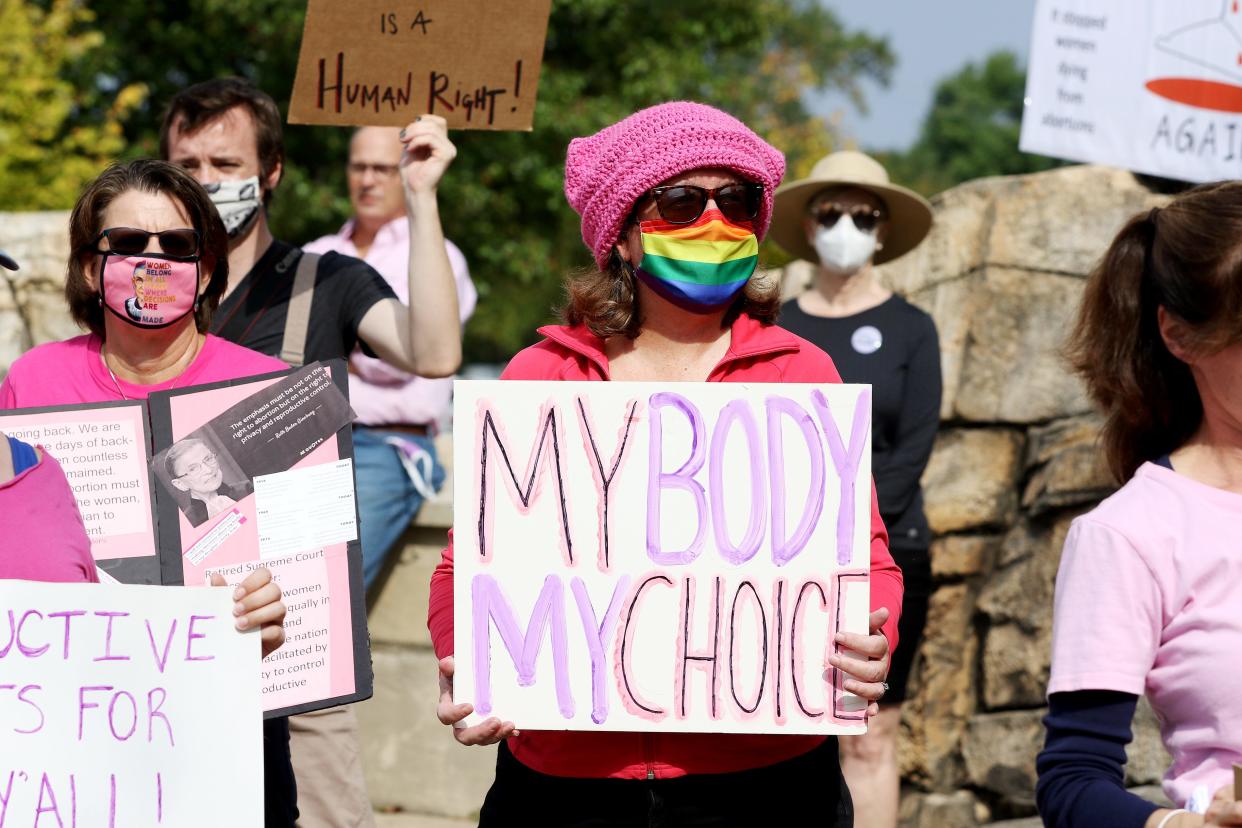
(1149,592)
(686,171)
(149,216)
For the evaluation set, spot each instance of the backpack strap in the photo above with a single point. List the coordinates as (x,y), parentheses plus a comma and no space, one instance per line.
(297,320)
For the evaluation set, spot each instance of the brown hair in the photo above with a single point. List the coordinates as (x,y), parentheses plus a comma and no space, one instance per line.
(86,223)
(1185,258)
(204,102)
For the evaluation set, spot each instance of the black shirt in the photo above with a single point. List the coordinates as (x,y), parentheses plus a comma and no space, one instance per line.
(346,288)
(894,347)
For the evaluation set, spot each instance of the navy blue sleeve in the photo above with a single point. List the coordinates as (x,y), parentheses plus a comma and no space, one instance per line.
(1082,766)
(24,456)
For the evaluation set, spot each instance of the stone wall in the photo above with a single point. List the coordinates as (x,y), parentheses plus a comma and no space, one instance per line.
(1016,460)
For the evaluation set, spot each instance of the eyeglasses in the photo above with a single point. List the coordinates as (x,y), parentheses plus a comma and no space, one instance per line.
(381,170)
(181,243)
(197,468)
(684,203)
(864,218)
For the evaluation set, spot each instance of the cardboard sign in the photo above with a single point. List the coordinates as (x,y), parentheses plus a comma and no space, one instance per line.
(660,557)
(103,449)
(259,472)
(127,705)
(1152,87)
(376,62)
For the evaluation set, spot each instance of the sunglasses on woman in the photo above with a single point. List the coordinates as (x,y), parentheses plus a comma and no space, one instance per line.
(684,203)
(181,243)
(865,218)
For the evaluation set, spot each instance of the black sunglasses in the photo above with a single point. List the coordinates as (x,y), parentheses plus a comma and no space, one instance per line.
(684,203)
(181,243)
(865,218)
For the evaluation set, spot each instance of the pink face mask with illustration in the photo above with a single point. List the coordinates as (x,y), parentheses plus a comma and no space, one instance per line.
(149,291)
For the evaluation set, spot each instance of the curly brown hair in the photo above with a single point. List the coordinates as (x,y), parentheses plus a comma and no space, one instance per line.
(1186,258)
(607,301)
(86,222)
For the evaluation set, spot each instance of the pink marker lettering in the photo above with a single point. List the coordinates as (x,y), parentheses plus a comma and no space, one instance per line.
(701,658)
(161,660)
(191,636)
(108,656)
(68,615)
(604,480)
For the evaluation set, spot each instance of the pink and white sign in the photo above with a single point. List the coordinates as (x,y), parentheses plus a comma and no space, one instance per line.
(660,557)
(103,450)
(127,705)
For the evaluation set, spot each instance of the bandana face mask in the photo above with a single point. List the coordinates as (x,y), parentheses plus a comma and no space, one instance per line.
(238,203)
(700,266)
(148,291)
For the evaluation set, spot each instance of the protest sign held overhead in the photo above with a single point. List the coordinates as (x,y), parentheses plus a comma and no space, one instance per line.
(642,556)
(127,705)
(1151,87)
(378,63)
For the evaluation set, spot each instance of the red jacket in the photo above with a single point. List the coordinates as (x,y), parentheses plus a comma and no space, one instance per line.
(757,353)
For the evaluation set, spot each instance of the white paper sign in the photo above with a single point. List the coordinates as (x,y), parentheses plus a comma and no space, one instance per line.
(127,705)
(1152,87)
(660,557)
(305,508)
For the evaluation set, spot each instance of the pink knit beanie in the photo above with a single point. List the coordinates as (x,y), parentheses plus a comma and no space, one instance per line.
(606,173)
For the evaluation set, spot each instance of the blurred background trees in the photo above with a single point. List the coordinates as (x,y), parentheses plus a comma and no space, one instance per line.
(85,81)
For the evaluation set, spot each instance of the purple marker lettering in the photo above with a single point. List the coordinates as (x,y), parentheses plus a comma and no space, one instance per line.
(133,716)
(702,657)
(846,462)
(21,697)
(73,799)
(108,656)
(153,713)
(12,635)
(733,642)
(161,660)
(30,652)
(191,635)
(159,797)
(603,481)
(597,637)
(45,787)
(683,478)
(636,705)
(785,549)
(737,411)
(112,801)
(795,646)
(68,615)
(4,798)
(526,496)
(84,705)
(523,647)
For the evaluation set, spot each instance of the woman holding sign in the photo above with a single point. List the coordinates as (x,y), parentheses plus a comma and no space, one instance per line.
(845,217)
(680,178)
(1150,581)
(153,216)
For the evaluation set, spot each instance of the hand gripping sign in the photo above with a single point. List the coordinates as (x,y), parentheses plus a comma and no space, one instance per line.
(660,557)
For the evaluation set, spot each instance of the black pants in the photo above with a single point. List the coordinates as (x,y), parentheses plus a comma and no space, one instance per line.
(280,790)
(807,790)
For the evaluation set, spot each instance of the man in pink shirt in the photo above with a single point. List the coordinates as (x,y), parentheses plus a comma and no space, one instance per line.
(394,456)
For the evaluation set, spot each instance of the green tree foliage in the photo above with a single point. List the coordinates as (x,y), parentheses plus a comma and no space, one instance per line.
(971,131)
(502,200)
(48,148)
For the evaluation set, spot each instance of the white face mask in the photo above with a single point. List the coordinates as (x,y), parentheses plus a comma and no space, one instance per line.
(238,203)
(843,248)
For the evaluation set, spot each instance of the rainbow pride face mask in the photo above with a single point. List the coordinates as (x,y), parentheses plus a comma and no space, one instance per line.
(149,291)
(700,266)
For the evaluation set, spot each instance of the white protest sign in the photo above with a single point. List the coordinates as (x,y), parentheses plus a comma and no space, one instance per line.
(127,706)
(1151,87)
(660,557)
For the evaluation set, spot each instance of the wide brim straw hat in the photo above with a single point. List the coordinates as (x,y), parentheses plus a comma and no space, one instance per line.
(909,214)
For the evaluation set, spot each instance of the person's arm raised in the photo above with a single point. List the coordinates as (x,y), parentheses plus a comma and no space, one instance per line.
(424,337)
